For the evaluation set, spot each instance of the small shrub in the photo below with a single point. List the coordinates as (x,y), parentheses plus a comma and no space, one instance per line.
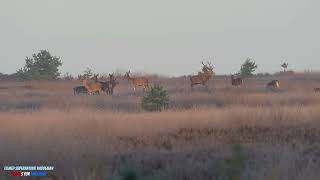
(236,163)
(156,99)
(129,175)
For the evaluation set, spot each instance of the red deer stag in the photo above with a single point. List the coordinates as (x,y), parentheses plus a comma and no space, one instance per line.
(137,81)
(273,85)
(204,76)
(236,81)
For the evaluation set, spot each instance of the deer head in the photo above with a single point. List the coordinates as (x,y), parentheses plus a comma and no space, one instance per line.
(112,78)
(95,77)
(126,75)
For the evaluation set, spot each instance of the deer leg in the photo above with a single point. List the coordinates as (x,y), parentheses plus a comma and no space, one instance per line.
(108,91)
(192,87)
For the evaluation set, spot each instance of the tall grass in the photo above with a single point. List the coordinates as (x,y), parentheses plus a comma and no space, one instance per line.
(217,133)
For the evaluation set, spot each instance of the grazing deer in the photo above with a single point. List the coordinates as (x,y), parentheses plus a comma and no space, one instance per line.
(137,81)
(204,76)
(82,90)
(92,87)
(274,84)
(316,89)
(236,81)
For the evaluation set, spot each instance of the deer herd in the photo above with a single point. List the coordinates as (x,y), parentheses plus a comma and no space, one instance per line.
(93,86)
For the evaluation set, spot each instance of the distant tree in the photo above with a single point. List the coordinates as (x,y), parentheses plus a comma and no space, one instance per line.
(42,66)
(248,67)
(284,66)
(67,76)
(87,73)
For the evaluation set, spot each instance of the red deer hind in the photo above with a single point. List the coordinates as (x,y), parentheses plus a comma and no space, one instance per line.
(203,77)
(137,81)
(92,87)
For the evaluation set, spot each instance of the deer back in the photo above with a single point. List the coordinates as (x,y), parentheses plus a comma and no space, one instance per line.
(139,81)
(95,86)
(200,78)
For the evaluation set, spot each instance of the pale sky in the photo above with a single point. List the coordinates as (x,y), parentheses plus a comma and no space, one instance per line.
(168,37)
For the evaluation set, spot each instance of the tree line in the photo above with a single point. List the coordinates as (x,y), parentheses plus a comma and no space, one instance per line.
(44,66)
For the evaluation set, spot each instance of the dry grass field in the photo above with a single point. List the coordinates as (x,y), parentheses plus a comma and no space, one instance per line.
(219,132)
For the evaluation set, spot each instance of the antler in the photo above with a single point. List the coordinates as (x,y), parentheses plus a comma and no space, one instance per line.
(210,65)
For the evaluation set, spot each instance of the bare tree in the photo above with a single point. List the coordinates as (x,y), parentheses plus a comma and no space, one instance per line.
(284,66)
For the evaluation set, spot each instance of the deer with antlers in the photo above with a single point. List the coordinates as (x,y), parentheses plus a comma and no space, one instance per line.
(204,76)
(236,81)
(137,81)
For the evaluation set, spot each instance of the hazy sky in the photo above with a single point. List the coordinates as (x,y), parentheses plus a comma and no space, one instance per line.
(165,36)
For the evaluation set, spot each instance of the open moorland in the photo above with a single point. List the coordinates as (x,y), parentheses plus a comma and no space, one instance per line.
(216,132)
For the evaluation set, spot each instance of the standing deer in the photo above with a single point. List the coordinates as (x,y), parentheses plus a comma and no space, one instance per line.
(92,87)
(106,86)
(204,76)
(113,82)
(317,90)
(236,81)
(273,85)
(137,81)
(84,89)
(109,86)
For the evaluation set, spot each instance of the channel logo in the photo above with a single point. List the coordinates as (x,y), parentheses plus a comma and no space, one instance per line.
(24,171)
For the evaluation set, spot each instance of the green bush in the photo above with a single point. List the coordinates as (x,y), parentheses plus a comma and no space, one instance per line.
(156,99)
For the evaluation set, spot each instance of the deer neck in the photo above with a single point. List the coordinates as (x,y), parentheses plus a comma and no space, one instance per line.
(130,78)
(85,84)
